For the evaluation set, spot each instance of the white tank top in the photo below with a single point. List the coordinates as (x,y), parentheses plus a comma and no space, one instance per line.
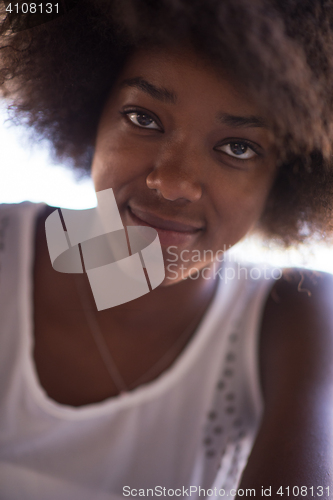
(193,426)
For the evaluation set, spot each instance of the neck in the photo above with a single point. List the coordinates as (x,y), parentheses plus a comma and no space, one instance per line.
(166,309)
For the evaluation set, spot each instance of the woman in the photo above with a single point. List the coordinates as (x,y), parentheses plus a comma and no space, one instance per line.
(208,120)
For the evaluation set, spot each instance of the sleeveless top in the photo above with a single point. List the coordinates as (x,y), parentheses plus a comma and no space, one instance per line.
(187,433)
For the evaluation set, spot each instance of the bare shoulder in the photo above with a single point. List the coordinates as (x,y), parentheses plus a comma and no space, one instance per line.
(297,326)
(294,445)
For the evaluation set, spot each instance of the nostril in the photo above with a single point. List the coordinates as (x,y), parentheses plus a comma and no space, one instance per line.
(174,187)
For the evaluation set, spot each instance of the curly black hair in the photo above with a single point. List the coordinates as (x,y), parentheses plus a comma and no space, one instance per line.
(57,77)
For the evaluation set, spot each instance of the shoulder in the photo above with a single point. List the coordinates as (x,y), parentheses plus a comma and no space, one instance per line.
(297,326)
(21,210)
(300,282)
(18,225)
(296,365)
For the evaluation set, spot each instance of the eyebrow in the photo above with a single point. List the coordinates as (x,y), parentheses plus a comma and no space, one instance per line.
(169,96)
(160,93)
(241,121)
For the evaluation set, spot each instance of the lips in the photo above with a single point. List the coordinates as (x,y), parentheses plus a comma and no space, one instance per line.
(159,223)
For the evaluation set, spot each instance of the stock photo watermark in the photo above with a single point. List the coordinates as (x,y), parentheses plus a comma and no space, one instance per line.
(23,15)
(197,491)
(122,263)
(217,266)
(125,262)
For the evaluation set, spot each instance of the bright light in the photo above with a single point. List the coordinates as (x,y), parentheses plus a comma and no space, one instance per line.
(26,174)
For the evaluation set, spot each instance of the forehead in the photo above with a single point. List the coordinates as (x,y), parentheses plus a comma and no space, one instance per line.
(189,78)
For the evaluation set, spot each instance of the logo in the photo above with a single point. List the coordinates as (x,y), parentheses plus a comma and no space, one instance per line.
(113,256)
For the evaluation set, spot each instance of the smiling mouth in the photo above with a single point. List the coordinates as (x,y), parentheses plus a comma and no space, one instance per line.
(156,222)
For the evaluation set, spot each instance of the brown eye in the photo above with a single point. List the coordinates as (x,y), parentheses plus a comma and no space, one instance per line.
(142,120)
(239,150)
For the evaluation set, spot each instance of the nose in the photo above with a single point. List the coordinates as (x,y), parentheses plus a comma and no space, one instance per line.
(176,172)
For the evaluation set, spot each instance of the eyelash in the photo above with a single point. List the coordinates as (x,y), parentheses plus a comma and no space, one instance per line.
(141,112)
(138,111)
(248,144)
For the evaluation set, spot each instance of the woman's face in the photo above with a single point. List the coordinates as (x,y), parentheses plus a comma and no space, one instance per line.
(185,151)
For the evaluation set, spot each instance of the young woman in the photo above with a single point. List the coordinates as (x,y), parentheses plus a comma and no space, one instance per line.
(208,120)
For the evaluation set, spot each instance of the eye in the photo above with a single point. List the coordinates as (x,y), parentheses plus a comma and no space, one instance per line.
(240,150)
(143,120)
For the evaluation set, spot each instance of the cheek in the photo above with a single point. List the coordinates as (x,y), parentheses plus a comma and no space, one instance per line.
(119,160)
(248,206)
(241,201)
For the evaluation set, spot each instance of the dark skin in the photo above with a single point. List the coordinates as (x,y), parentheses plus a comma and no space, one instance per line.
(295,442)
(202,156)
